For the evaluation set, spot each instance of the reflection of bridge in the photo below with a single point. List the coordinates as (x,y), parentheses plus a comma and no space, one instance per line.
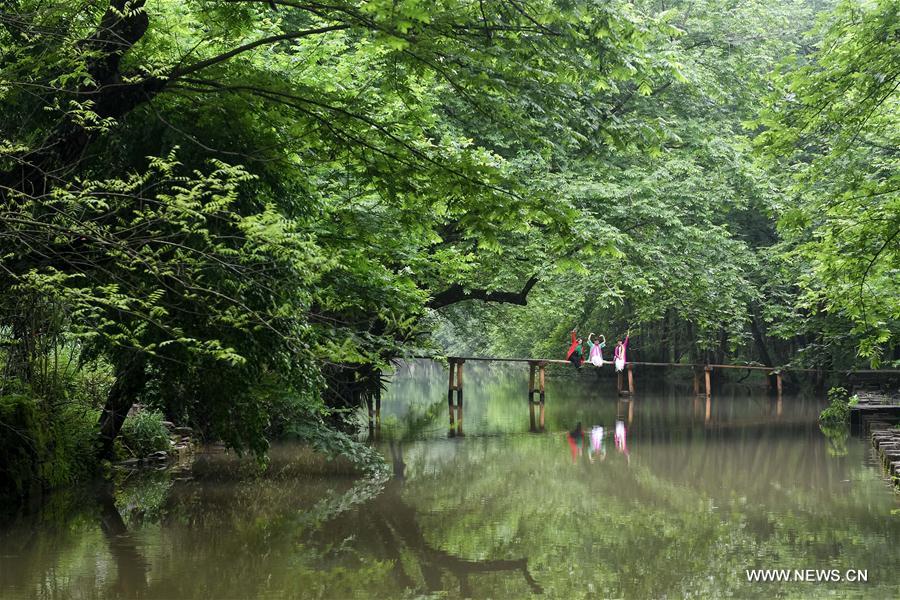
(704,411)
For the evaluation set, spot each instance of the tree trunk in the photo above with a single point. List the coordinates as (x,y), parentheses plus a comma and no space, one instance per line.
(130,379)
(760,341)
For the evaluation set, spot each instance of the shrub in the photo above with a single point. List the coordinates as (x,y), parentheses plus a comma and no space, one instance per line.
(21,436)
(838,412)
(143,433)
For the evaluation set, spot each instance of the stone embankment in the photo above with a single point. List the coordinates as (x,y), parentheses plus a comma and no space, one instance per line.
(181,450)
(886,441)
(182,440)
(877,415)
(874,406)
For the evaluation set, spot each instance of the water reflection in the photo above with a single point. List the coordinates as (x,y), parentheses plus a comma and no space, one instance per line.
(396,523)
(598,444)
(660,494)
(130,566)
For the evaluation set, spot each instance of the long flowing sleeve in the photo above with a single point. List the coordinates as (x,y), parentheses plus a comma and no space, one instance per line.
(572,347)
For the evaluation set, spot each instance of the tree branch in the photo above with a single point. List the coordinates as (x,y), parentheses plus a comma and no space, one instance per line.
(456,293)
(292,35)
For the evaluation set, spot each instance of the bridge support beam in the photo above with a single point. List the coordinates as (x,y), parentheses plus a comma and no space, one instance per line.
(541,378)
(708,380)
(536,385)
(459,397)
(450,390)
(456,384)
(532,424)
(532,371)
(621,380)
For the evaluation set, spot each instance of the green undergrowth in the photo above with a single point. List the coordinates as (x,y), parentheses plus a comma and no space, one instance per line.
(143,433)
(835,418)
(42,449)
(838,411)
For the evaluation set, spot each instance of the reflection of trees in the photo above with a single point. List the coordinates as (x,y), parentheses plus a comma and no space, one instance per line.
(686,519)
(60,550)
(131,567)
(837,438)
(395,523)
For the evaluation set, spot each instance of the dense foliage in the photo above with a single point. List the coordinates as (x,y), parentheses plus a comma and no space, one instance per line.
(834,125)
(239,211)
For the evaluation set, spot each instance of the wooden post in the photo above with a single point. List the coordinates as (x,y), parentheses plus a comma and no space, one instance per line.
(619,382)
(696,382)
(708,371)
(531,421)
(541,383)
(459,395)
(630,410)
(778,382)
(541,377)
(531,369)
(708,407)
(630,379)
(542,417)
(450,390)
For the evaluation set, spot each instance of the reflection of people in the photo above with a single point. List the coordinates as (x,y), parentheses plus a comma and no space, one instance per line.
(575,439)
(596,350)
(620,438)
(597,443)
(576,352)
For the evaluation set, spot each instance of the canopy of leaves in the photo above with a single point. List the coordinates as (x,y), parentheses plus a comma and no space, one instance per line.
(221,199)
(834,128)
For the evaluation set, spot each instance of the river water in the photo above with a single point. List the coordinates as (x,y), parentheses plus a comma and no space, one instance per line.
(678,499)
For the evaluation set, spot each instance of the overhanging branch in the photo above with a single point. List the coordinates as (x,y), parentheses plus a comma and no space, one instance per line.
(293,35)
(456,293)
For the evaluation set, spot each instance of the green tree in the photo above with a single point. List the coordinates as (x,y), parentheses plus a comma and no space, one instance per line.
(227,197)
(833,128)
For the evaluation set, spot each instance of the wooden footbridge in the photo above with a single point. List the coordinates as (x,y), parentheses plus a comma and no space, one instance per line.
(537,378)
